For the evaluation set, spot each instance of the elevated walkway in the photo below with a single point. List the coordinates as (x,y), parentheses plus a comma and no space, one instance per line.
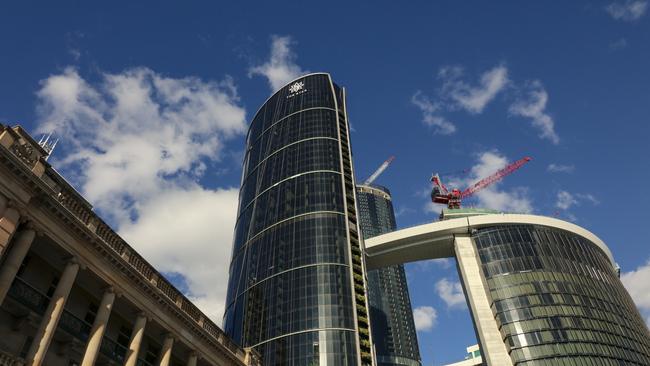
(436,240)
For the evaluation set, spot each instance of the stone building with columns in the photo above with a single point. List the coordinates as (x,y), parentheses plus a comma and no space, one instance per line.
(73,292)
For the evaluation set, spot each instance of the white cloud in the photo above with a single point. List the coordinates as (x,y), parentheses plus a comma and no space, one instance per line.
(425,318)
(281,67)
(451,293)
(637,283)
(565,200)
(619,44)
(176,231)
(514,200)
(533,106)
(432,208)
(431,116)
(473,99)
(403,210)
(445,263)
(139,142)
(588,197)
(455,93)
(426,265)
(628,10)
(559,168)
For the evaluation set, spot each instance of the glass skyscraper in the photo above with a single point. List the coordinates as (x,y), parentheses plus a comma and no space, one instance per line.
(297,286)
(391,315)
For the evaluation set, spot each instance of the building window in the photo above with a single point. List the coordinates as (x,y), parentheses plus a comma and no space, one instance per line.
(26,345)
(91,313)
(23,265)
(151,356)
(52,288)
(124,336)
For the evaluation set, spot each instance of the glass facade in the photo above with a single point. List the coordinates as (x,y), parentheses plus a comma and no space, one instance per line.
(391,316)
(297,289)
(558,300)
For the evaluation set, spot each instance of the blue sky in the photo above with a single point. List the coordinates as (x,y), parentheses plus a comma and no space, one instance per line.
(151,101)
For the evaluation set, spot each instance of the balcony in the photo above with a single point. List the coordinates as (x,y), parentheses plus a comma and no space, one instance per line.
(74,326)
(28,296)
(113,350)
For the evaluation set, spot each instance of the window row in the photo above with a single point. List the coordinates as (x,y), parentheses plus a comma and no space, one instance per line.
(306,298)
(331,347)
(305,240)
(572,322)
(577,348)
(305,156)
(301,195)
(315,92)
(518,284)
(308,124)
(505,242)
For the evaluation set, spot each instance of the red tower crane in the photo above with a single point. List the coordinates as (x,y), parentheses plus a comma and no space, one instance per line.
(453,198)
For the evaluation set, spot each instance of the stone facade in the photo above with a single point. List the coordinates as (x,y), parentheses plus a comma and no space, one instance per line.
(73,292)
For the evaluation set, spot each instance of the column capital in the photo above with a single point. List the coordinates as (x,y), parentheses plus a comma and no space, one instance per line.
(28,224)
(142,314)
(112,289)
(11,203)
(71,260)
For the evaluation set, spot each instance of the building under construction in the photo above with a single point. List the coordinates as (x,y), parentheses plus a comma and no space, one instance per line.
(391,316)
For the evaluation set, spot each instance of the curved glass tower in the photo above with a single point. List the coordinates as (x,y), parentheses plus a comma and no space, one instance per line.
(391,315)
(557,299)
(297,289)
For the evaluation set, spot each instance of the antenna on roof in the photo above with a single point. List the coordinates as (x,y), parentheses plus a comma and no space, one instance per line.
(48,145)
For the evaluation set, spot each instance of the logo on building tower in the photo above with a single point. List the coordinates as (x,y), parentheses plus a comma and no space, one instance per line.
(297,86)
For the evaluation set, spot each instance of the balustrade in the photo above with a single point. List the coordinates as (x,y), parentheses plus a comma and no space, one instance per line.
(113,350)
(27,295)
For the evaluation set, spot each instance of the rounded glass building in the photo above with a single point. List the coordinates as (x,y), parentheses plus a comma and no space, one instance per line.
(541,291)
(297,289)
(557,298)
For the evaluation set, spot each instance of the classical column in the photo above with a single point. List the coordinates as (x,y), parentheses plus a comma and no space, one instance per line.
(493,348)
(43,336)
(20,246)
(136,340)
(9,218)
(192,359)
(98,329)
(166,352)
